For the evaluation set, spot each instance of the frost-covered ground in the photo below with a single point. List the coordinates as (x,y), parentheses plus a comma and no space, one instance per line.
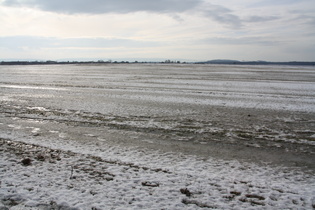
(157,137)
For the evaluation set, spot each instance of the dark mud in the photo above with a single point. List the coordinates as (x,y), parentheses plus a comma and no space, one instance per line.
(247,135)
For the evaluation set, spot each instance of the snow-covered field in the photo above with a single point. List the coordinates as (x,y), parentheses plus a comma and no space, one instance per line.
(157,137)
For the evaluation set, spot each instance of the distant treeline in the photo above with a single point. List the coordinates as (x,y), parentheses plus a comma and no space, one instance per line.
(76,62)
(49,62)
(236,62)
(229,62)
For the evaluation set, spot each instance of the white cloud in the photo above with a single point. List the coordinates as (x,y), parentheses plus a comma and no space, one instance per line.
(166,28)
(29,42)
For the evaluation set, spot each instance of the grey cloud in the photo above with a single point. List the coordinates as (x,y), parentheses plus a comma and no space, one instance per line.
(225,16)
(309,20)
(242,41)
(222,15)
(216,13)
(255,19)
(307,17)
(106,6)
(276,3)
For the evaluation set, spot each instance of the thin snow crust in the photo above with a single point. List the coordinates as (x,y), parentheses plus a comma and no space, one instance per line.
(85,176)
(95,137)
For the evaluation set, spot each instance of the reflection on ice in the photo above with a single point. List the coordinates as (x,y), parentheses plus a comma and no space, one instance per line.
(31,87)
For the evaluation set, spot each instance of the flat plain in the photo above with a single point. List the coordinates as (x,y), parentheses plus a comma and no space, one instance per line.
(157,136)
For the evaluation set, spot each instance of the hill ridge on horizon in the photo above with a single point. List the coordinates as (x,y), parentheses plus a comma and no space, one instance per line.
(215,61)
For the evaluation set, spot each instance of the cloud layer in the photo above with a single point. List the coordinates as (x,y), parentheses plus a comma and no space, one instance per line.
(107,6)
(189,29)
(31,42)
(217,13)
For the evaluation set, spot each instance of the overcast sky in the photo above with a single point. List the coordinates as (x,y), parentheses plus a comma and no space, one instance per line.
(273,30)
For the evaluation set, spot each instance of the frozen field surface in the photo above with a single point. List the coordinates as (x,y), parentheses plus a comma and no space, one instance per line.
(153,136)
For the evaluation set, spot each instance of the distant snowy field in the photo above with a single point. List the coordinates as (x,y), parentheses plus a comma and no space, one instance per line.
(157,137)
